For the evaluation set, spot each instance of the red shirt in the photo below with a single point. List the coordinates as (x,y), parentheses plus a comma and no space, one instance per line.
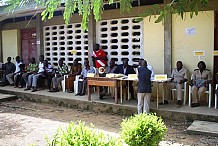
(101,62)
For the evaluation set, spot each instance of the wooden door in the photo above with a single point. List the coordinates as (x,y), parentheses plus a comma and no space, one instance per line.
(28,45)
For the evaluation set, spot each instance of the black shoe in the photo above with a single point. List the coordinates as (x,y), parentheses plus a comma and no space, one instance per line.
(101,96)
(34,90)
(50,90)
(81,94)
(165,102)
(179,102)
(70,91)
(12,84)
(55,90)
(194,104)
(77,94)
(28,88)
(132,97)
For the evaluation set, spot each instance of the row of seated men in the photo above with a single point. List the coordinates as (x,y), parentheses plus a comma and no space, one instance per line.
(19,76)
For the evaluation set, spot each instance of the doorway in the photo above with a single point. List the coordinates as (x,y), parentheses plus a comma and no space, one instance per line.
(28,45)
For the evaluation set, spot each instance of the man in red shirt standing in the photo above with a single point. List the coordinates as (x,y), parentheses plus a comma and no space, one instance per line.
(99,57)
(99,60)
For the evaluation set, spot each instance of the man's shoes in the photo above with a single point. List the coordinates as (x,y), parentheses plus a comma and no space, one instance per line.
(34,90)
(194,104)
(20,87)
(55,90)
(165,102)
(15,86)
(81,94)
(70,91)
(12,84)
(3,84)
(179,102)
(132,97)
(77,94)
(28,88)
(101,96)
(50,90)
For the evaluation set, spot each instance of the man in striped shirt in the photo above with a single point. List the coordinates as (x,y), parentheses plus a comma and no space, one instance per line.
(61,71)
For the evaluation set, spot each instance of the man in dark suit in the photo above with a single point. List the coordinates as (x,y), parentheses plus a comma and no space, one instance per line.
(144,88)
(126,69)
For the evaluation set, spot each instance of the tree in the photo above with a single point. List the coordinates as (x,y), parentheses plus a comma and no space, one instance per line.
(86,7)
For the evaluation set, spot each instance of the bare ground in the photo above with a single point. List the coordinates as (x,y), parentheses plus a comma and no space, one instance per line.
(23,123)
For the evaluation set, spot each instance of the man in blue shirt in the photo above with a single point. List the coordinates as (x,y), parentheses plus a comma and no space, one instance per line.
(144,88)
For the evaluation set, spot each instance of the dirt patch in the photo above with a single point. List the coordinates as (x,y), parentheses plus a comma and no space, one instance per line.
(23,123)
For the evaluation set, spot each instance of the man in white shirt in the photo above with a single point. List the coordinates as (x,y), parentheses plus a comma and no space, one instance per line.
(12,77)
(82,85)
(178,77)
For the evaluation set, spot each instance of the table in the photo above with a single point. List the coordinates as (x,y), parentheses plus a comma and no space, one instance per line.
(153,81)
(121,87)
(158,83)
(102,81)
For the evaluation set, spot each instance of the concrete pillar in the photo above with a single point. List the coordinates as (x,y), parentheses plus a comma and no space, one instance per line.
(39,36)
(91,36)
(1,49)
(168,45)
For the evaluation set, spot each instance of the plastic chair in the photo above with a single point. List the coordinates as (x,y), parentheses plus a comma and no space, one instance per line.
(209,94)
(184,90)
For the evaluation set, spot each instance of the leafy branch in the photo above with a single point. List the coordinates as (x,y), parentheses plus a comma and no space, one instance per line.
(86,7)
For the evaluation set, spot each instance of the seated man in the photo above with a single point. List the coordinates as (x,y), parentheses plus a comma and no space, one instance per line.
(12,76)
(126,69)
(18,81)
(75,69)
(61,71)
(109,69)
(200,80)
(178,77)
(44,71)
(82,86)
(32,68)
(8,68)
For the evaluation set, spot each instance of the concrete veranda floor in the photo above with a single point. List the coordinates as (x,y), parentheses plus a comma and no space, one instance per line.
(170,111)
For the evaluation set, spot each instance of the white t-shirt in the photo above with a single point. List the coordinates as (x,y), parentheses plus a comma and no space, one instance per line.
(41,67)
(17,67)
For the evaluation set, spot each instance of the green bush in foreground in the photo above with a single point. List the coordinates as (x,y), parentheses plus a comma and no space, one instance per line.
(139,130)
(81,135)
(143,130)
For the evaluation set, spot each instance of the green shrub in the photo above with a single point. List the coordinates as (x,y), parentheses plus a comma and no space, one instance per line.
(143,130)
(81,135)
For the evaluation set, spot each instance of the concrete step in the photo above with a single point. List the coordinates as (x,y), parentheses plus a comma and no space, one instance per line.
(203,127)
(6,97)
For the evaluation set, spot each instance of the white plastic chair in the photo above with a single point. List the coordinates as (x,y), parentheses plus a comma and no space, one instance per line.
(216,97)
(63,83)
(76,82)
(209,94)
(184,90)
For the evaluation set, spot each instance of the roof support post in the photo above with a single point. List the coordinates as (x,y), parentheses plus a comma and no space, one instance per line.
(1,49)
(91,36)
(168,45)
(39,35)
